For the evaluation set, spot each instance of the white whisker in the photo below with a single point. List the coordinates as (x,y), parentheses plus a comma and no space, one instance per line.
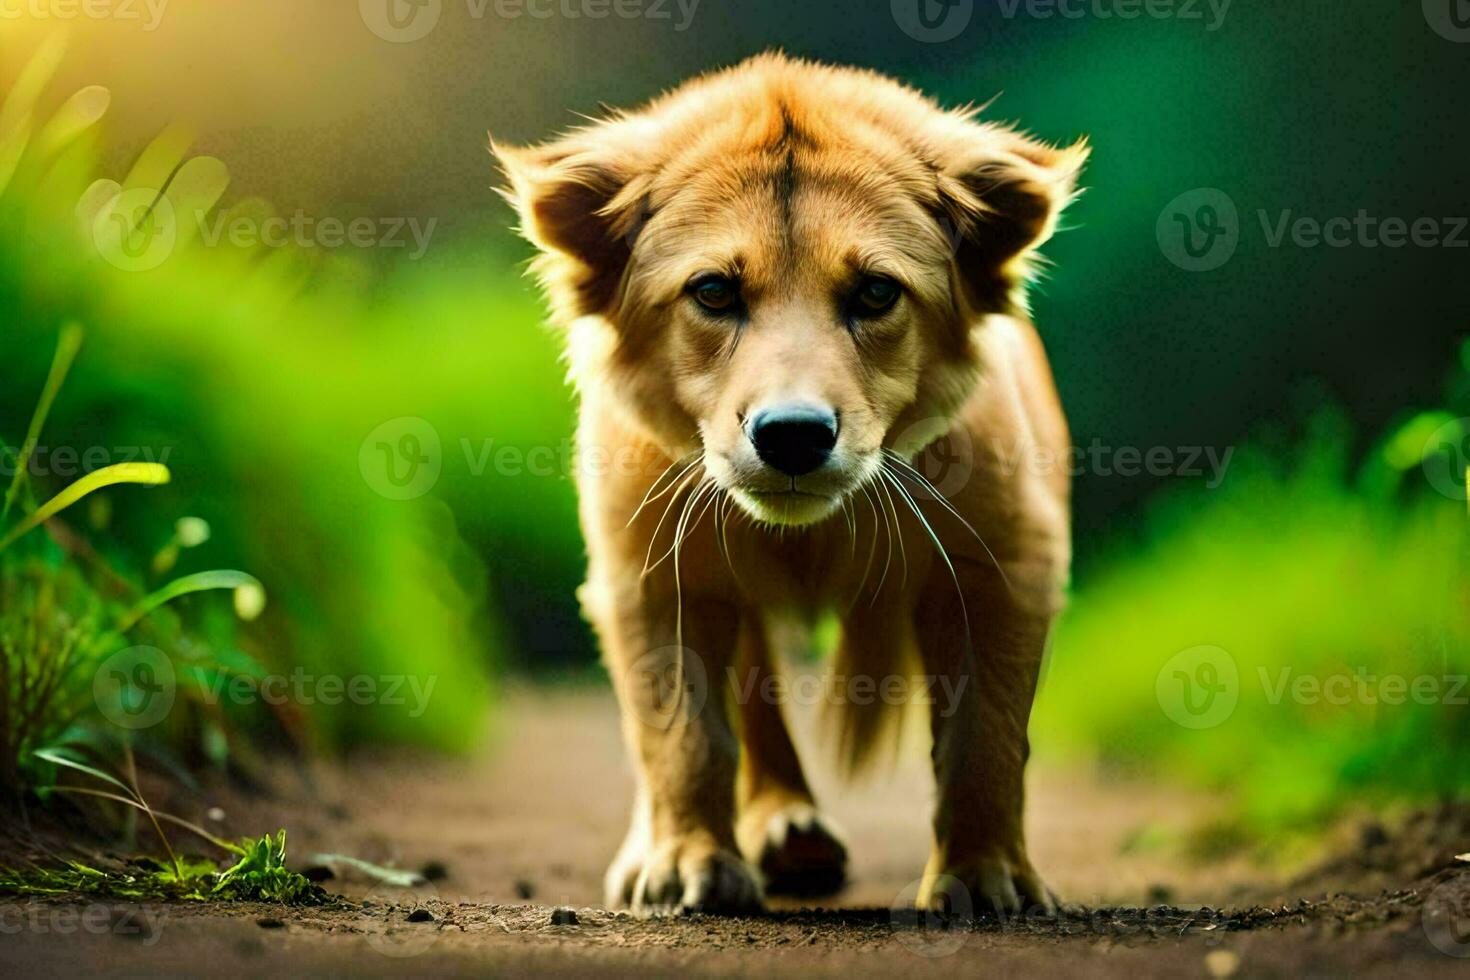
(681,531)
(649,498)
(944,556)
(648,563)
(944,502)
(872,545)
(896,532)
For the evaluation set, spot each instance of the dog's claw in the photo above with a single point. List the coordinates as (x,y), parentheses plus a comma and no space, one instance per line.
(998,886)
(682,877)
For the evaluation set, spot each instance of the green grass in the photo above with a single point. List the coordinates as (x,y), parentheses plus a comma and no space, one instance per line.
(65,614)
(1304,574)
(261,373)
(258,875)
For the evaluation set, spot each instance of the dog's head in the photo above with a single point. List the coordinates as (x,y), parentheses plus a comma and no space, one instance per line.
(783,265)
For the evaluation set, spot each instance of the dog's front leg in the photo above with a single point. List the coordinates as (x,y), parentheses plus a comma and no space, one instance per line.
(981,703)
(680,854)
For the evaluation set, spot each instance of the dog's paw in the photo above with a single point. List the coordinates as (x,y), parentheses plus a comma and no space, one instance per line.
(993,885)
(694,875)
(798,851)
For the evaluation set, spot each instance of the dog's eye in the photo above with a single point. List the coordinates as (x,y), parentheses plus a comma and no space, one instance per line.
(875,295)
(715,293)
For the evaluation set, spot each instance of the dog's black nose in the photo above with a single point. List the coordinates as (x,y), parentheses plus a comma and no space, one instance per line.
(794,439)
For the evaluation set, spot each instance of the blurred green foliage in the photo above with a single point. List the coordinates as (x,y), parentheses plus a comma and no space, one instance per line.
(257,375)
(1314,614)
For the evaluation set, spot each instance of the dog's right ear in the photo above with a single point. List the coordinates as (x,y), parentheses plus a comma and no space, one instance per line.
(577,201)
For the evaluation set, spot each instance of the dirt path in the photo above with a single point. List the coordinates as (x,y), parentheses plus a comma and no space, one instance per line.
(531,824)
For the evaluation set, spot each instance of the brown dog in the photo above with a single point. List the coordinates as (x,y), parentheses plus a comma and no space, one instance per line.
(781,284)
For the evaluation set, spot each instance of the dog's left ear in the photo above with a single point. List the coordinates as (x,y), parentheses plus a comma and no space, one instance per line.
(577,199)
(1002,193)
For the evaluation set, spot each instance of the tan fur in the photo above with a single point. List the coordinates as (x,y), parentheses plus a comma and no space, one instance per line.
(797,179)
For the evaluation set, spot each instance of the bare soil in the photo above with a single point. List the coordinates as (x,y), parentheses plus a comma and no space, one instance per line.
(515,840)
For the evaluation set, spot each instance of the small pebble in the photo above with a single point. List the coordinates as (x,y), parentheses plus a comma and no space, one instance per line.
(563,917)
(421,915)
(270,923)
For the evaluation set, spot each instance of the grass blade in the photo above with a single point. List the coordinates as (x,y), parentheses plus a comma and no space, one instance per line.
(193,828)
(19,108)
(76,116)
(66,352)
(146,474)
(67,762)
(388,876)
(199,582)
